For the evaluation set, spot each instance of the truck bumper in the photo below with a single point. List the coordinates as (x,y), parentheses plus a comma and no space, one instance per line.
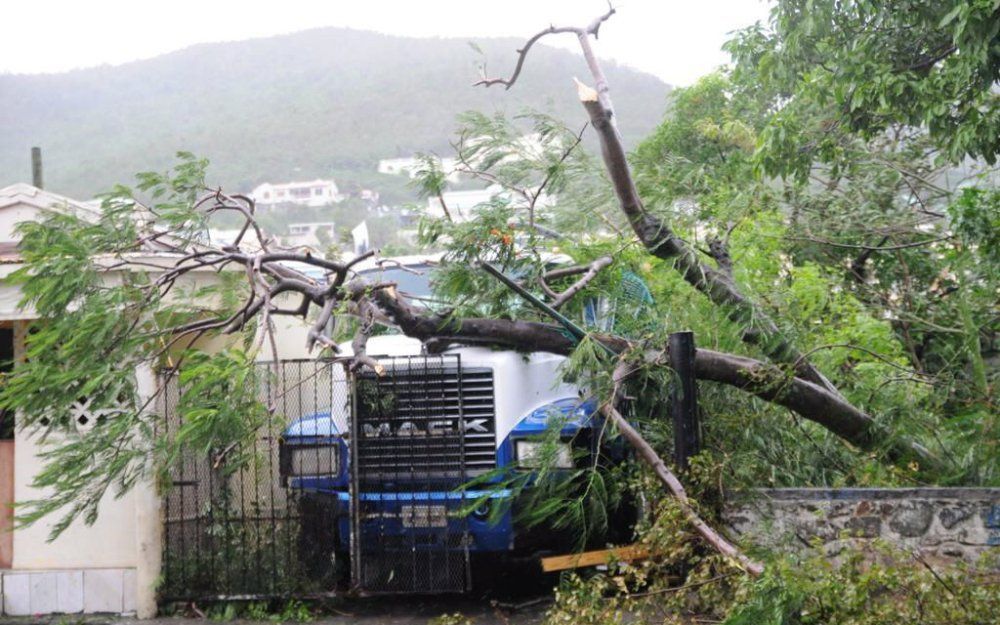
(424,520)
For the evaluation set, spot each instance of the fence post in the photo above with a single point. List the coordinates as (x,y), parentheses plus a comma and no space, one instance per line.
(149,522)
(684,398)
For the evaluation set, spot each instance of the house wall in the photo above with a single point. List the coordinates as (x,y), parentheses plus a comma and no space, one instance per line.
(108,544)
(13,215)
(86,569)
(6,497)
(112,566)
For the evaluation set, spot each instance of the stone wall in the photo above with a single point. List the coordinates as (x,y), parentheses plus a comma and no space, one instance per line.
(943,524)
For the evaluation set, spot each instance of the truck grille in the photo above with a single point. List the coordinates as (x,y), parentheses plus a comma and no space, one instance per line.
(425,419)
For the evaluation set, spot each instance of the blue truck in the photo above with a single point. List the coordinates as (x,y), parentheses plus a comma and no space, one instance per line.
(400,485)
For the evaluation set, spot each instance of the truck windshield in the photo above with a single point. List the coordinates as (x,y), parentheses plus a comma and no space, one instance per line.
(414,281)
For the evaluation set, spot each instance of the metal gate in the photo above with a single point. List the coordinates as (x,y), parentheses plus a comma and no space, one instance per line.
(246,530)
(232,533)
(421,429)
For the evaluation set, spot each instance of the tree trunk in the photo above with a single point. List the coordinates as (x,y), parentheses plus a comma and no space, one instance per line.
(764,380)
(662,242)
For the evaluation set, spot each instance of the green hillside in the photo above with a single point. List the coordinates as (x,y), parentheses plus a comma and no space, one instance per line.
(297,106)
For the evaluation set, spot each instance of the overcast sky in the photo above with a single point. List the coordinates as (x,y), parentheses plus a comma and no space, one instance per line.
(677,40)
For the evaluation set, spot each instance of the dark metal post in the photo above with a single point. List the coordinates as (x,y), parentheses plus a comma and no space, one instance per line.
(36,167)
(684,399)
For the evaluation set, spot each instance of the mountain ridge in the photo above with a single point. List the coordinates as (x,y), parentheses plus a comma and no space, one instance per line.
(294,106)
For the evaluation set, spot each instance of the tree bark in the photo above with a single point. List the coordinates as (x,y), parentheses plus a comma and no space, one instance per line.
(662,242)
(760,379)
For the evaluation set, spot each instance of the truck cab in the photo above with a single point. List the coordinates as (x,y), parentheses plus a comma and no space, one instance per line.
(405,482)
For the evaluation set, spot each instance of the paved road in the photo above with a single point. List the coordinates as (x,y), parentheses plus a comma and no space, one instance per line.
(371,611)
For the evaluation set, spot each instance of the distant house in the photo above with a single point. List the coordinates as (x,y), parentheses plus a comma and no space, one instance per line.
(463,205)
(409,166)
(313,193)
(369,196)
(313,235)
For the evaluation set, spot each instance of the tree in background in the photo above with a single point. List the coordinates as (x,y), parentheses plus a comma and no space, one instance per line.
(880,121)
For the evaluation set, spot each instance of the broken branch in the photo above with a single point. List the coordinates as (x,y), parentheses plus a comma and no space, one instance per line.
(667,477)
(589,273)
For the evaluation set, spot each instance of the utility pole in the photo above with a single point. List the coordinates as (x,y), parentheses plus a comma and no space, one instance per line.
(36,167)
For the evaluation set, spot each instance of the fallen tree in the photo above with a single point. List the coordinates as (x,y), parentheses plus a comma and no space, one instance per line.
(654,233)
(67,259)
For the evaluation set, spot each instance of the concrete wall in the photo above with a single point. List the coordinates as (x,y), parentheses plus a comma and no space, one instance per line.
(114,565)
(943,524)
(107,544)
(12,215)
(6,501)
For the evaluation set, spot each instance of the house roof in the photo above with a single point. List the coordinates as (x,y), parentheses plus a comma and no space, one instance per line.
(163,249)
(23,193)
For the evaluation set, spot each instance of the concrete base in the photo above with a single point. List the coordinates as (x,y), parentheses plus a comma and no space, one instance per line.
(68,591)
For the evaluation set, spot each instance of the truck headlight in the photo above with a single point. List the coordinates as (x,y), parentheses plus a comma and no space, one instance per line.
(532,454)
(313,461)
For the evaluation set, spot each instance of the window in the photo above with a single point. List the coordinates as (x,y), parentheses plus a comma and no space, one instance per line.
(416,285)
(299,192)
(318,191)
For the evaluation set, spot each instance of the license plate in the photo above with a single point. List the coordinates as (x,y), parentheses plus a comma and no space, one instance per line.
(424,516)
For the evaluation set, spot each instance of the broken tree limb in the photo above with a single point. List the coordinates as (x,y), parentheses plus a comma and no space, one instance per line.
(270,277)
(808,399)
(593,28)
(663,242)
(589,273)
(667,477)
(760,379)
(655,235)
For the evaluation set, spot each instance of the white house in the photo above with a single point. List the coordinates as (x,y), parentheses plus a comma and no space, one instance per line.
(114,565)
(313,193)
(462,205)
(314,235)
(409,166)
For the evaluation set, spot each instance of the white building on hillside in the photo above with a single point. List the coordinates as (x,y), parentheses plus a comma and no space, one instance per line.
(313,193)
(411,165)
(314,235)
(463,205)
